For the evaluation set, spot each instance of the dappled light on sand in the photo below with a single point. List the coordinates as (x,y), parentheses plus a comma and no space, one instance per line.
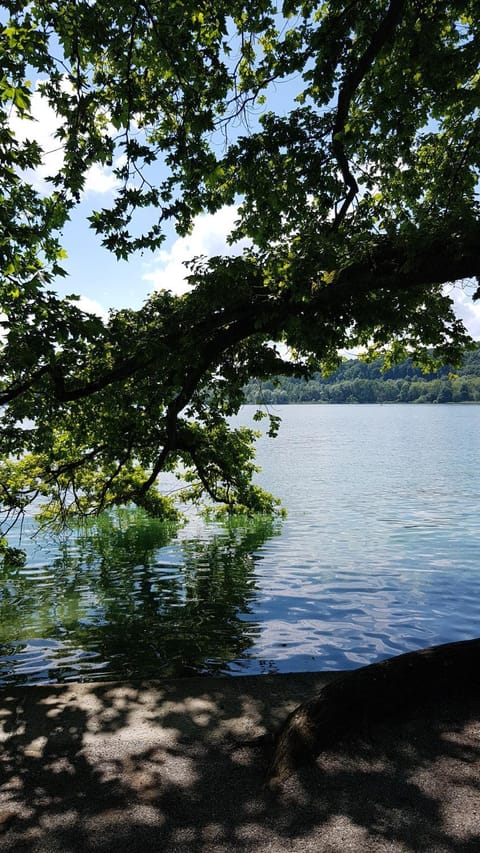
(181,765)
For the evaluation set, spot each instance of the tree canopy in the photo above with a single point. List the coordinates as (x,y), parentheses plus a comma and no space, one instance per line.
(357,191)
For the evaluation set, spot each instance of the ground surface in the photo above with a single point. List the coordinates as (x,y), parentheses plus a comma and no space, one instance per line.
(165,766)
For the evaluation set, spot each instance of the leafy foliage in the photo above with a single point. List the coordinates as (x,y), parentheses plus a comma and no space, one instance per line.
(358,194)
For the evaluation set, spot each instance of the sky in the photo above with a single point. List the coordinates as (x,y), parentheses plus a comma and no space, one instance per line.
(102,282)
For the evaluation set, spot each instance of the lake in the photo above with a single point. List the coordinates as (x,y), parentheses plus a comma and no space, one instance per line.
(379,554)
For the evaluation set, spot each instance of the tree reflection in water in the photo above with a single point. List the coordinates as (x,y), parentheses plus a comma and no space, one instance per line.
(123,597)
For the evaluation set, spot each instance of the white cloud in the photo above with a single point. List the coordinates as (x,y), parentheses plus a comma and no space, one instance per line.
(90,306)
(42,128)
(208,237)
(99,179)
(465,308)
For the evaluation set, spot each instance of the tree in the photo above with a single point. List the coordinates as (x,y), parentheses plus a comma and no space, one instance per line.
(359,202)
(358,195)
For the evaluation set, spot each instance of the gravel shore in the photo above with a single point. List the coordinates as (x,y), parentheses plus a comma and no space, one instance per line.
(177,766)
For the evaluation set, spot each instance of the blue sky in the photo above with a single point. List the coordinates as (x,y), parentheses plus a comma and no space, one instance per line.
(93,272)
(102,281)
(97,275)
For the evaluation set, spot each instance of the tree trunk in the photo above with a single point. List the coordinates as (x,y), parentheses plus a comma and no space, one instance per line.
(392,687)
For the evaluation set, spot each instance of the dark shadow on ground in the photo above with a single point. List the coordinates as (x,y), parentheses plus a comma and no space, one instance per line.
(170,767)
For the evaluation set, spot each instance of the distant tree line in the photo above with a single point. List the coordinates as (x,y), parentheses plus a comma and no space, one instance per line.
(356,381)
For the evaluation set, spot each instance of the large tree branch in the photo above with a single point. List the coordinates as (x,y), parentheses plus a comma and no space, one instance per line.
(349,86)
(390,267)
(19,388)
(395,268)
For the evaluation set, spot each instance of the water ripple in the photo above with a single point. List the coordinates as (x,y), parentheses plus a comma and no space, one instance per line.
(380,554)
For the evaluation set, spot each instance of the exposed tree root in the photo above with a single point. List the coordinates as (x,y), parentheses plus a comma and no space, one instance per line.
(392,687)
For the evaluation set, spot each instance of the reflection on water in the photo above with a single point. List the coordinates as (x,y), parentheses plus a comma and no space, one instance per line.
(118,600)
(379,554)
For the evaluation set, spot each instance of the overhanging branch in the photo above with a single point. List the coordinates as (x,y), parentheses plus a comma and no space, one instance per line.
(390,266)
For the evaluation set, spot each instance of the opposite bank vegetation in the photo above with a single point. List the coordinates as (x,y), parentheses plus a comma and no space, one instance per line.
(357,381)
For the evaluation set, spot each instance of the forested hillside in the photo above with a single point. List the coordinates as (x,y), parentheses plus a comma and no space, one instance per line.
(356,381)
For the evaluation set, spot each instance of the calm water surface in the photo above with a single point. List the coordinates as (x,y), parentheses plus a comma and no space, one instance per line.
(380,554)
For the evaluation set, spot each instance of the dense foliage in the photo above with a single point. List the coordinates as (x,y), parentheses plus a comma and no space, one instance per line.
(357,381)
(357,191)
